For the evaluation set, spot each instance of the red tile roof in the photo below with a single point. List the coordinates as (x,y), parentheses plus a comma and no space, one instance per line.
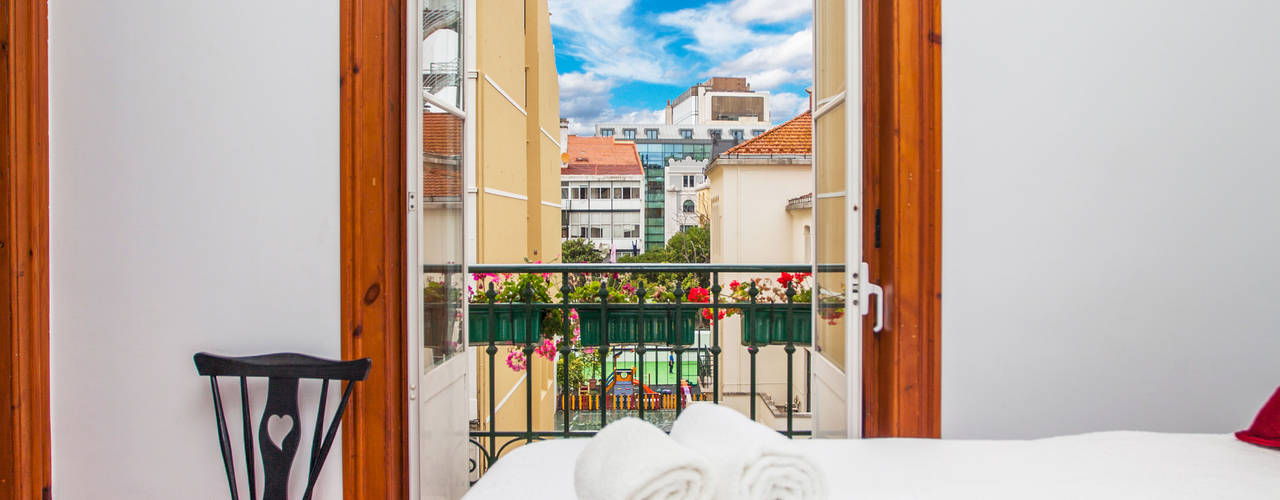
(441,134)
(601,156)
(795,137)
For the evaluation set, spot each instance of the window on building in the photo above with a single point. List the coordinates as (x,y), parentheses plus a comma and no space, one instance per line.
(689,181)
(628,193)
(755,132)
(564,190)
(689,207)
(714,133)
(653,213)
(597,232)
(686,133)
(628,230)
(686,227)
(600,193)
(579,192)
(628,133)
(606,132)
(737,134)
(651,133)
(582,231)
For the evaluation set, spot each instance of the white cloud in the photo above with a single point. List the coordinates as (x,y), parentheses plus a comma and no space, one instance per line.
(784,106)
(715,31)
(770,66)
(604,37)
(584,101)
(769,11)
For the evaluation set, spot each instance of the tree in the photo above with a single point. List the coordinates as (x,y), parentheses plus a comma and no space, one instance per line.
(580,250)
(691,245)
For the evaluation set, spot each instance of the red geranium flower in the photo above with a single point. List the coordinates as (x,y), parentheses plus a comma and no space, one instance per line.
(699,294)
(785,279)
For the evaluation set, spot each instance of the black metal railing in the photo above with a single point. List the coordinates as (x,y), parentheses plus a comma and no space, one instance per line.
(654,320)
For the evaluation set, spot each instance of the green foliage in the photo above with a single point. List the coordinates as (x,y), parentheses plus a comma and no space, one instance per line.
(580,250)
(579,363)
(690,245)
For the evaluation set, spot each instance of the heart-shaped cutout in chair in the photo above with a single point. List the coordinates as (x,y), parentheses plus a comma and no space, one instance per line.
(278,426)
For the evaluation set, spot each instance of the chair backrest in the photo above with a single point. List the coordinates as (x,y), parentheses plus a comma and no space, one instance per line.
(282,371)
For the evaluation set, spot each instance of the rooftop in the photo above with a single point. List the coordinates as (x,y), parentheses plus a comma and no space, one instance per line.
(795,137)
(601,156)
(442,134)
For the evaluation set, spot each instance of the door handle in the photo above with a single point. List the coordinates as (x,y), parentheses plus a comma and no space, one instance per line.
(865,290)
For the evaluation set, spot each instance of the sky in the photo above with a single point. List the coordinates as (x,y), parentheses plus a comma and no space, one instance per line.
(621,60)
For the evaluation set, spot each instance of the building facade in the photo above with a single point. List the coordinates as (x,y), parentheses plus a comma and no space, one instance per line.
(719,101)
(683,178)
(689,132)
(757,192)
(601,191)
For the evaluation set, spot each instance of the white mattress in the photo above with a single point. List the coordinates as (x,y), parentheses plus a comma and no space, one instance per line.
(1100,465)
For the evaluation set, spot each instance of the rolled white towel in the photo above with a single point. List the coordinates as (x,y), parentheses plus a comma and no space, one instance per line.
(749,461)
(630,459)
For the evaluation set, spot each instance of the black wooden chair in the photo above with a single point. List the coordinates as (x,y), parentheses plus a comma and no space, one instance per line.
(282,371)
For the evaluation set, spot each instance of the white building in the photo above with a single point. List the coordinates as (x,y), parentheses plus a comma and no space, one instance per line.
(719,101)
(601,186)
(707,119)
(683,178)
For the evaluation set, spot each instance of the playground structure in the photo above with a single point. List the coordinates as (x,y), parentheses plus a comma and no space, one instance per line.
(622,391)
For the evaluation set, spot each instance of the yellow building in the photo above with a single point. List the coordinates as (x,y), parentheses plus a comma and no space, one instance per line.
(516,124)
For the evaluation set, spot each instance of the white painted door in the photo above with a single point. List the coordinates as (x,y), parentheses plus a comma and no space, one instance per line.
(837,367)
(438,384)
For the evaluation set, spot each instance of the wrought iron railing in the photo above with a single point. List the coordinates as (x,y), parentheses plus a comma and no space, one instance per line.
(639,325)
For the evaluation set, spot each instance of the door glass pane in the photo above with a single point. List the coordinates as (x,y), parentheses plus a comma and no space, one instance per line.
(829,216)
(440,245)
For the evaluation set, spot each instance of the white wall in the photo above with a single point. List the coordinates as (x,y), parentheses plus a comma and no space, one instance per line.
(194,193)
(1111,252)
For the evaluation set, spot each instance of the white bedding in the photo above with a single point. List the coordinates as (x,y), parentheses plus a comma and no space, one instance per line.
(1099,465)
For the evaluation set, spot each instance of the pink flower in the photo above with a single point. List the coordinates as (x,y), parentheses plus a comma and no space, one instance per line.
(589,350)
(547,349)
(516,361)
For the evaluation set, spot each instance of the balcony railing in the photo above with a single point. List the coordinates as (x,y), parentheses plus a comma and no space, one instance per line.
(567,313)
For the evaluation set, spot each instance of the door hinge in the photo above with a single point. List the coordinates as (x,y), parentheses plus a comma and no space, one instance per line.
(413,201)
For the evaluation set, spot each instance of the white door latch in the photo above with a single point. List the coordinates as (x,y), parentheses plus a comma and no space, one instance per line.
(865,290)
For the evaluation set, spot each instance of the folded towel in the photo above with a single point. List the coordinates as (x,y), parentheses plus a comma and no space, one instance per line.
(630,459)
(749,461)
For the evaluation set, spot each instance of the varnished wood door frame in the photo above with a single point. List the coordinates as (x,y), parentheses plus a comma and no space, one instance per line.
(375,434)
(902,223)
(25,449)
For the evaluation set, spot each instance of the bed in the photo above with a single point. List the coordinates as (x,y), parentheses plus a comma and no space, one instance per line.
(1097,465)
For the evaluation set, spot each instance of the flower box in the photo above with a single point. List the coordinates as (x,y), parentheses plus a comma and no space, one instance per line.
(512,324)
(770,325)
(624,325)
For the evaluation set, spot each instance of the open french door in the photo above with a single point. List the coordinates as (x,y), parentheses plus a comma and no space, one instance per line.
(837,115)
(438,125)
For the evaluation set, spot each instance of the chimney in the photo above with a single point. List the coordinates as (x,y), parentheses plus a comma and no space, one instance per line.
(564,135)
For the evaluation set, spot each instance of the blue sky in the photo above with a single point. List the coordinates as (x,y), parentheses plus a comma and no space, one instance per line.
(620,60)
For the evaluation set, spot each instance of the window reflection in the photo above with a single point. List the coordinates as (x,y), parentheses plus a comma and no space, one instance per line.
(440,237)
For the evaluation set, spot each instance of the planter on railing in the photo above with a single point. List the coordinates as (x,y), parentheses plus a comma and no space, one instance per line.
(772,325)
(660,325)
(511,323)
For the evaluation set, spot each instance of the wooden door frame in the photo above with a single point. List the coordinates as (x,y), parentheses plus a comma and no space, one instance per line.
(25,447)
(902,153)
(375,434)
(902,182)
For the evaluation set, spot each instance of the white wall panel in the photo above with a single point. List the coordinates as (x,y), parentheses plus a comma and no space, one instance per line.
(1111,251)
(194,207)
